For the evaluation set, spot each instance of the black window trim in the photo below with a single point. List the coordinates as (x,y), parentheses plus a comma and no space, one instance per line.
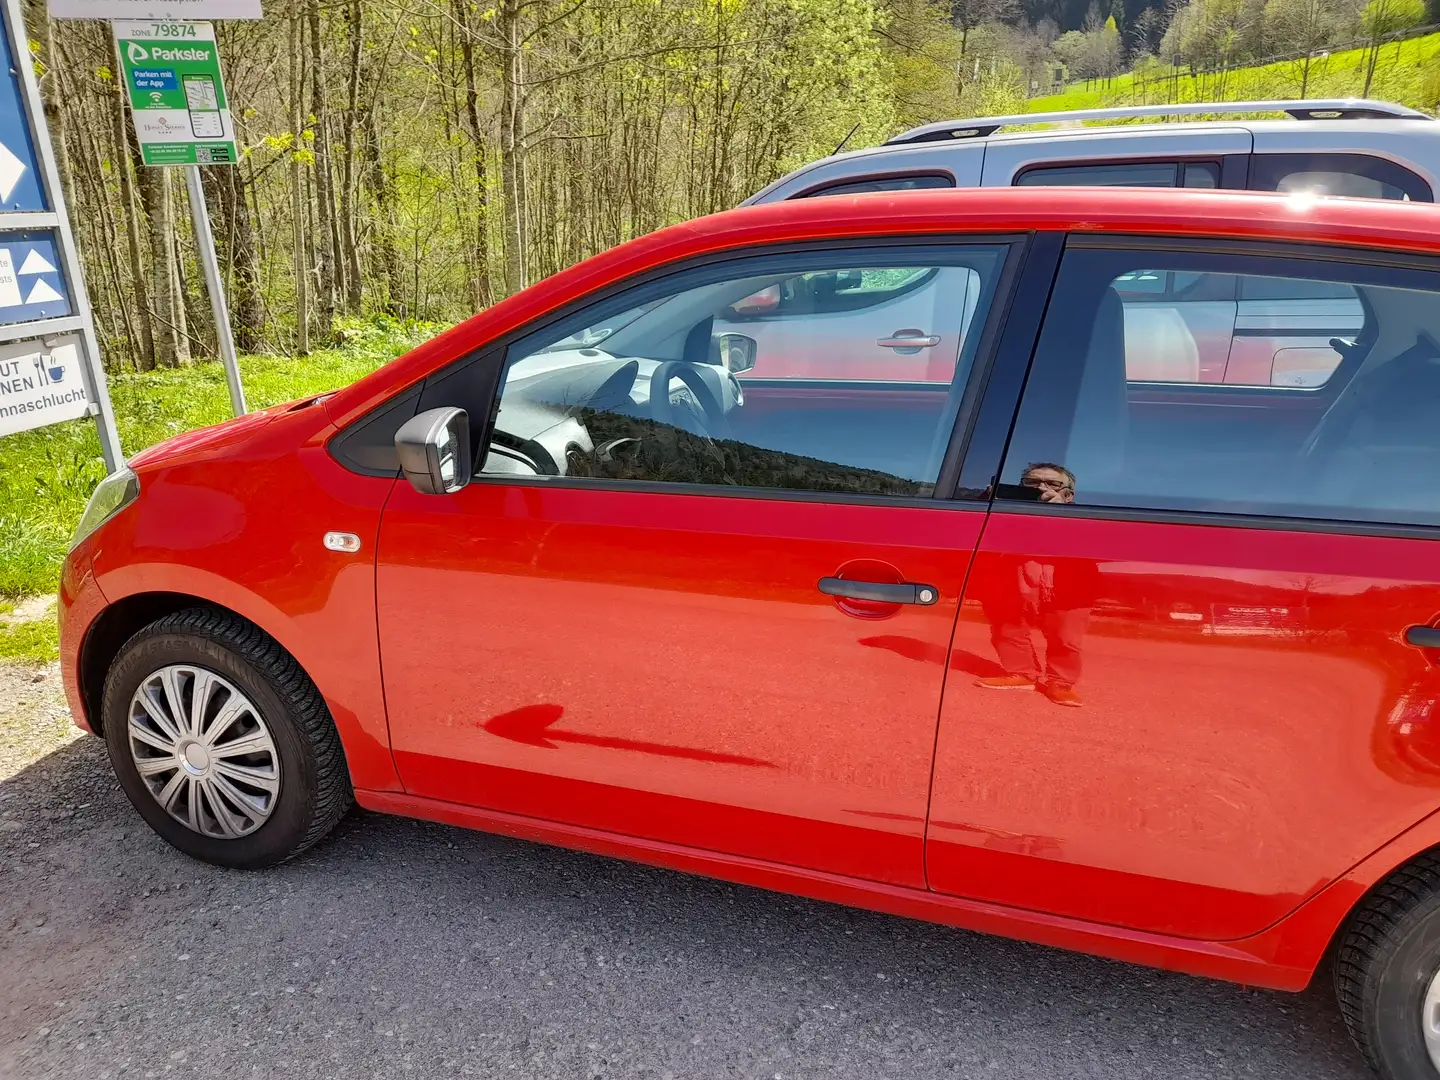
(1222,520)
(494,351)
(1287,249)
(826,187)
(1369,258)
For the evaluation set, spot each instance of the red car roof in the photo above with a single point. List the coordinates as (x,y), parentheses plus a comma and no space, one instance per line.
(1371,223)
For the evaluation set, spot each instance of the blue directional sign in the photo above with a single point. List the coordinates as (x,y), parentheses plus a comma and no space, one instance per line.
(20,185)
(32,285)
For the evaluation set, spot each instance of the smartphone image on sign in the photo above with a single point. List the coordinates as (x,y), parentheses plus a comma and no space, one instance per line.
(200,93)
(203,101)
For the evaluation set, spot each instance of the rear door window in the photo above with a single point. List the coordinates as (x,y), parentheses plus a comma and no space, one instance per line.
(1351,441)
(1155,174)
(1337,175)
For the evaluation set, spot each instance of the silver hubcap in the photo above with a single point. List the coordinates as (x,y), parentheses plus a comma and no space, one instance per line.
(203,751)
(1430,1020)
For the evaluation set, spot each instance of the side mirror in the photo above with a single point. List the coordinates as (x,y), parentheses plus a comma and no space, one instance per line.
(737,352)
(434,451)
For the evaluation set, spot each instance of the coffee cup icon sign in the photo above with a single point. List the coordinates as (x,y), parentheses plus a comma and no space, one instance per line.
(47,370)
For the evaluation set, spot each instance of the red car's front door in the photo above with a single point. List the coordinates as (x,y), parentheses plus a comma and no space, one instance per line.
(621,623)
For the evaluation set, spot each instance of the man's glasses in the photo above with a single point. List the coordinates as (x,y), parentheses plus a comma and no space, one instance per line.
(1045,482)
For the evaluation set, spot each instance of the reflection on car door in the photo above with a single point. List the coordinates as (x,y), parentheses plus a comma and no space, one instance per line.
(620,641)
(894,324)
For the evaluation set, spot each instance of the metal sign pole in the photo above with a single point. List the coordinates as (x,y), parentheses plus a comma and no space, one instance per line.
(91,365)
(210,262)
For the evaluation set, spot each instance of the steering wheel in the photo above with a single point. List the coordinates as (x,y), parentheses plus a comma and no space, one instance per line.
(714,424)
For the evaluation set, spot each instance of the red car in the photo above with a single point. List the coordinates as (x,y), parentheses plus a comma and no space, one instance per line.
(1144,670)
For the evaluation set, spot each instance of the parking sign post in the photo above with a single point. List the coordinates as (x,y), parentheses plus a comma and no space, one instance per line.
(205,245)
(50,368)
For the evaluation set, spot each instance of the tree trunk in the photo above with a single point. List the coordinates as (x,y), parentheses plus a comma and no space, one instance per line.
(387,256)
(120,126)
(235,241)
(512,146)
(171,346)
(481,285)
(195,325)
(327,242)
(302,269)
(41,29)
(354,282)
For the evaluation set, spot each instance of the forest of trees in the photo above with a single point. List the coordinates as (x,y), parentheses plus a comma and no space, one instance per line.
(421,160)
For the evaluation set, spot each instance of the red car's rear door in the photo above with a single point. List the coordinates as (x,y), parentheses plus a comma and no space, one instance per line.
(1227,615)
(620,624)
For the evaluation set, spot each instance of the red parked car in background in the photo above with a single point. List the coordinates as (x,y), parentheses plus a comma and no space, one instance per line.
(1035,648)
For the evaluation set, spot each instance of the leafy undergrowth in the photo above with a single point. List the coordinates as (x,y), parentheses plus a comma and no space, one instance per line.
(1406,73)
(36,641)
(46,475)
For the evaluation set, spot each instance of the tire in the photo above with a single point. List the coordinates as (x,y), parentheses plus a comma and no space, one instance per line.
(1385,966)
(244,810)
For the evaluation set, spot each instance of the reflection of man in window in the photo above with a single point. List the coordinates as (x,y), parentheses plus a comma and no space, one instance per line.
(1054,596)
(1055,483)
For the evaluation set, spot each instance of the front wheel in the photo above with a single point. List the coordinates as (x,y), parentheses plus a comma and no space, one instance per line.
(1387,974)
(221,741)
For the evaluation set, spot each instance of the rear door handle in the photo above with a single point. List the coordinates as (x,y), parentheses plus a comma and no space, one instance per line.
(907,592)
(909,339)
(1423,637)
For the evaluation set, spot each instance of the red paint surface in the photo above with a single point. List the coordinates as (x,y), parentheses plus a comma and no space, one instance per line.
(702,689)
(234,515)
(1244,738)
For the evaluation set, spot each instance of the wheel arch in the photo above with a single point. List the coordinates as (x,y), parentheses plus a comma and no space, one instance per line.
(116,624)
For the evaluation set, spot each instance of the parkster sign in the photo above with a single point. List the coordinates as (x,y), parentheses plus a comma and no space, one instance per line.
(172,74)
(159,10)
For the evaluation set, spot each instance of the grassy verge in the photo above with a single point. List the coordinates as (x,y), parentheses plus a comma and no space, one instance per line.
(37,641)
(46,475)
(1400,76)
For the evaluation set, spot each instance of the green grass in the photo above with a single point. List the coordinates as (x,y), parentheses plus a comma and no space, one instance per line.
(1400,76)
(46,475)
(37,641)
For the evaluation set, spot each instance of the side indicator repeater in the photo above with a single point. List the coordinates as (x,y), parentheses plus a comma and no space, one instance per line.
(342,541)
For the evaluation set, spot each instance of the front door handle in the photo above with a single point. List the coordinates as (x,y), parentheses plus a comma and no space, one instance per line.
(907,592)
(1422,637)
(909,339)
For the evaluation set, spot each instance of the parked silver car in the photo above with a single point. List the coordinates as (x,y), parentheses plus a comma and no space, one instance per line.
(1180,328)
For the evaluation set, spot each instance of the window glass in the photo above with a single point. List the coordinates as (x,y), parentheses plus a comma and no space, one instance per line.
(837,396)
(1202,174)
(1124,174)
(1350,440)
(884,183)
(1347,175)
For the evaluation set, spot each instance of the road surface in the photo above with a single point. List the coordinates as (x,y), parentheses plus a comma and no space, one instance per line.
(406,949)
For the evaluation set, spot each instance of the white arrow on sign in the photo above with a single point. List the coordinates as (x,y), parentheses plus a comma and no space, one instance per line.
(35,263)
(42,293)
(11,169)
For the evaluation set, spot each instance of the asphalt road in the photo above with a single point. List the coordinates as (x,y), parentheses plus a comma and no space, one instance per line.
(406,949)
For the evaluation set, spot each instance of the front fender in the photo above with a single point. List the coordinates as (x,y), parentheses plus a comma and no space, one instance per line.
(244,531)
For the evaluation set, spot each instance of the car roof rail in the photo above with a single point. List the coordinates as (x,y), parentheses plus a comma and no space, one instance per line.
(1315,109)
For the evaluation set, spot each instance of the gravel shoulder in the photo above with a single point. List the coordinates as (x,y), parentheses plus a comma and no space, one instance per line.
(403,948)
